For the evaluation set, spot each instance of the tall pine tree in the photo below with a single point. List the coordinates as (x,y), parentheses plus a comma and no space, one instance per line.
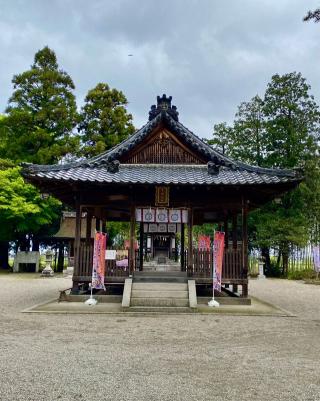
(42,113)
(104,120)
(282,130)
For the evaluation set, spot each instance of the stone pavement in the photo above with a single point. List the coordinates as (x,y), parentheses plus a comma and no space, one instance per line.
(180,357)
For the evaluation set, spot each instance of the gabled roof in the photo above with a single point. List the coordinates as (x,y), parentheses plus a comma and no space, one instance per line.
(106,167)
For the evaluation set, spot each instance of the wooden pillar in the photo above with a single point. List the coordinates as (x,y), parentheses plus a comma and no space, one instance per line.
(141,247)
(234,240)
(182,247)
(88,226)
(98,225)
(245,246)
(103,228)
(190,248)
(226,232)
(132,237)
(77,242)
(234,231)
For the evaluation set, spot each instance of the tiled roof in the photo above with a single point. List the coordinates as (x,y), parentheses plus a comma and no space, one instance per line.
(105,168)
(162,174)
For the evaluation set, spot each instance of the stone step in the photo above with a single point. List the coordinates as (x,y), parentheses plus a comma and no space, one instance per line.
(162,268)
(159,294)
(160,274)
(160,279)
(152,286)
(169,302)
(161,309)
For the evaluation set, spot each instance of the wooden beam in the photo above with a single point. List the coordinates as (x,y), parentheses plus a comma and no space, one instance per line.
(132,238)
(77,242)
(98,224)
(88,225)
(245,245)
(182,247)
(234,231)
(141,247)
(226,231)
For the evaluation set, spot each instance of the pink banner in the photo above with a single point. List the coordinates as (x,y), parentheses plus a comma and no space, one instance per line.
(98,270)
(204,243)
(218,249)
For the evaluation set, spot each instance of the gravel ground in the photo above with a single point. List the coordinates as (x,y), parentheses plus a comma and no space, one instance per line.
(181,357)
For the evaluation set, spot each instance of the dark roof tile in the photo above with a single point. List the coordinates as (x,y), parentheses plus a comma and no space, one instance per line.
(162,174)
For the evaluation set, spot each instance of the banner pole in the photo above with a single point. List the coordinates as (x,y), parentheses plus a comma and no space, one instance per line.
(92,301)
(213,302)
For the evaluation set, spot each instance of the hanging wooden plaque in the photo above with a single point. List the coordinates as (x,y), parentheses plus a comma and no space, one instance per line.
(162,196)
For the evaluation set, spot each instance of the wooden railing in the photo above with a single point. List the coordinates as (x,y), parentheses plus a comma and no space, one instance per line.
(202,264)
(86,262)
(232,267)
(112,270)
(85,259)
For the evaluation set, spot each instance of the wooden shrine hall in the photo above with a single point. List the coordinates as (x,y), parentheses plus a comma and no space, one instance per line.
(166,180)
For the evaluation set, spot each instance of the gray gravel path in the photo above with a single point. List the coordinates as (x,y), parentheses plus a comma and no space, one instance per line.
(193,357)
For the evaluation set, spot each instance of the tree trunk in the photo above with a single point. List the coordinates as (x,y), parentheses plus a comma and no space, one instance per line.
(60,258)
(55,258)
(4,255)
(279,259)
(35,245)
(265,253)
(285,260)
(24,244)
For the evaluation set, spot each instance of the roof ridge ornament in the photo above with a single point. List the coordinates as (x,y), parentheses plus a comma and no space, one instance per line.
(113,166)
(213,168)
(163,105)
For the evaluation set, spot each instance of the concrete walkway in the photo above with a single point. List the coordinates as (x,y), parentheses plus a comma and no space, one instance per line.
(181,357)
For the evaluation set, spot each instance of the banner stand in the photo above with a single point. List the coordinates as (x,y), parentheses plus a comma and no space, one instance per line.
(91,301)
(213,303)
(98,268)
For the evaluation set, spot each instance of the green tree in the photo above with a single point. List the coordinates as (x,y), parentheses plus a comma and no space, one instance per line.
(118,232)
(310,192)
(292,121)
(282,130)
(22,209)
(104,120)
(292,131)
(223,138)
(249,132)
(42,113)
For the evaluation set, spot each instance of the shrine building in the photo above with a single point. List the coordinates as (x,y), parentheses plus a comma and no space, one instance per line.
(163,179)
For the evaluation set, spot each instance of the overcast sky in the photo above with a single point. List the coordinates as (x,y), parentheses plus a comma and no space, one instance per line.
(210,55)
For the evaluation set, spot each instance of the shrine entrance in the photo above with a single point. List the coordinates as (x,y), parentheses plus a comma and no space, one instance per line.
(161,248)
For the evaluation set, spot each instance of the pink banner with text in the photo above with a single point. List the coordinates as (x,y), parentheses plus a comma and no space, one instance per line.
(218,250)
(98,270)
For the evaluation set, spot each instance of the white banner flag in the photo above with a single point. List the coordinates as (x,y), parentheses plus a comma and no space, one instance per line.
(162,216)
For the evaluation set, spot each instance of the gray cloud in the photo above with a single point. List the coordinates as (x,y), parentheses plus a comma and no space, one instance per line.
(208,54)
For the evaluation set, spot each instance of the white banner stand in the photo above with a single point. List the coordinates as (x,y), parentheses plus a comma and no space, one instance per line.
(213,303)
(91,301)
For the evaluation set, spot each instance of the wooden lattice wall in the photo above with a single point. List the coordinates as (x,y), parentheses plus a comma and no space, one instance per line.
(163,148)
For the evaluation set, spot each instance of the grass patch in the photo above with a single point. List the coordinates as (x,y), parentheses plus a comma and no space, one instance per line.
(304,274)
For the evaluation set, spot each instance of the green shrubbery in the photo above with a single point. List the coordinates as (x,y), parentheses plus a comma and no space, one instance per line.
(305,274)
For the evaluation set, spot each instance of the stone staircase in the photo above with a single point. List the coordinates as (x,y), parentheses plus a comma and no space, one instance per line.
(159,292)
